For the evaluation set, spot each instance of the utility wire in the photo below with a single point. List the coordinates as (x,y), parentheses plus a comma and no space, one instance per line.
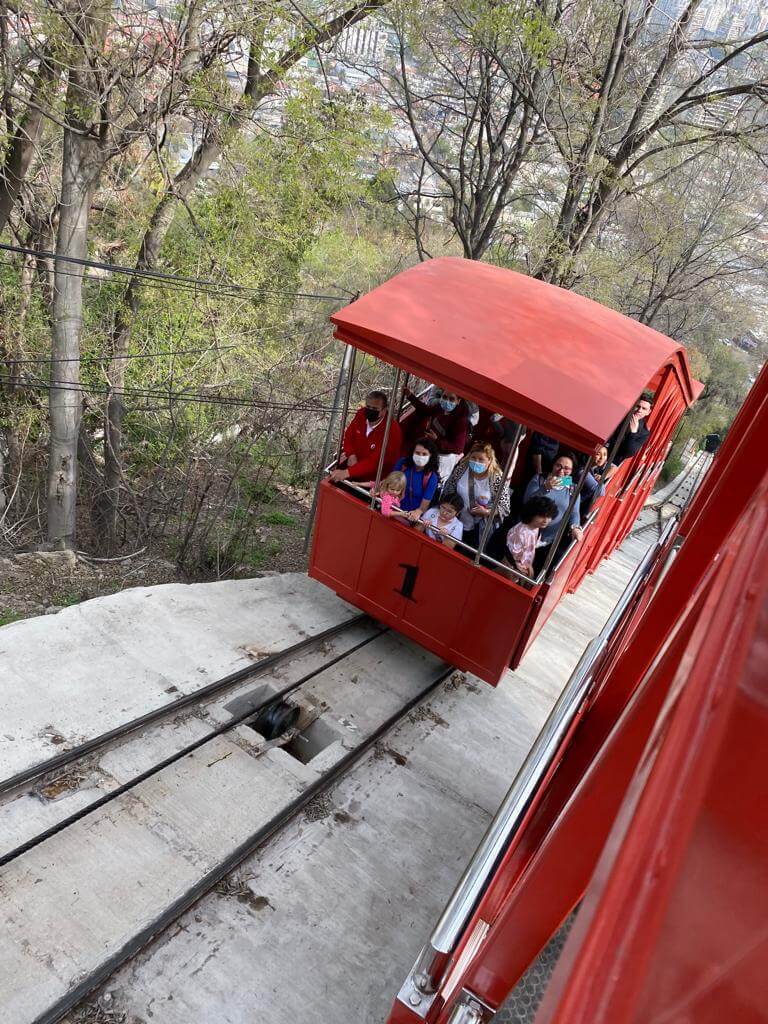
(158,275)
(45,361)
(300,405)
(181,289)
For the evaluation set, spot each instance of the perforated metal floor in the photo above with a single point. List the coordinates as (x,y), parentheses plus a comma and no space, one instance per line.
(526,997)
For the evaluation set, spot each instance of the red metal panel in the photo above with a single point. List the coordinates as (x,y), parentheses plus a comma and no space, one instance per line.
(437,607)
(389,549)
(340,538)
(468,615)
(563,364)
(493,618)
(674,926)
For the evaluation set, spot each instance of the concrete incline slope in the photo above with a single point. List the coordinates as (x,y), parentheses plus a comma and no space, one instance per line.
(322,924)
(72,676)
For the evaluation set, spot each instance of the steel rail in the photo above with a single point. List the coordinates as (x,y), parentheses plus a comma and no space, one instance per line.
(691,479)
(432,964)
(251,712)
(218,686)
(249,846)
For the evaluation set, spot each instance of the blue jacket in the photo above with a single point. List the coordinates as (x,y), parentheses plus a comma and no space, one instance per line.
(416,488)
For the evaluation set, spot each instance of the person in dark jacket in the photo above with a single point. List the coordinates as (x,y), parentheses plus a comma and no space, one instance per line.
(636,435)
(446,422)
(542,453)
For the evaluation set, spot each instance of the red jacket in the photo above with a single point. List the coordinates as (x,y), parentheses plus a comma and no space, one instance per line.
(367,447)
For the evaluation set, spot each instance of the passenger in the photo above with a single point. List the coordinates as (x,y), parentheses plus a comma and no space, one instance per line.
(442,523)
(477,480)
(593,486)
(557,485)
(498,431)
(542,453)
(363,440)
(446,422)
(421,477)
(391,494)
(636,435)
(522,539)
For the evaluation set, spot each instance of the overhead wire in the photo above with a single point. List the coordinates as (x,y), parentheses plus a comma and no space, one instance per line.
(298,405)
(182,289)
(192,283)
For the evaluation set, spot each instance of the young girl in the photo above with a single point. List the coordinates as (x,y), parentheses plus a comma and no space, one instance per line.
(537,514)
(391,493)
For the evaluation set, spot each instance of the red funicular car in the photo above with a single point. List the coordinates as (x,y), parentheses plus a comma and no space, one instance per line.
(543,357)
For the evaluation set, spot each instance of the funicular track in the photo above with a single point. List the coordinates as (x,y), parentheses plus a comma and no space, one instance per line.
(66,758)
(87,982)
(655,515)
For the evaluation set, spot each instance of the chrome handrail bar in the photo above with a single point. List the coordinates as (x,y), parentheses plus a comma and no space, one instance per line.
(459,543)
(434,958)
(572,544)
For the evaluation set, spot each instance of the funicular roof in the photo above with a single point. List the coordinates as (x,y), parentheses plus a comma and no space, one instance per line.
(559,362)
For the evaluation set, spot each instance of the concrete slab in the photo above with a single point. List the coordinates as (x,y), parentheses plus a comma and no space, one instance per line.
(84,671)
(358,880)
(329,917)
(80,897)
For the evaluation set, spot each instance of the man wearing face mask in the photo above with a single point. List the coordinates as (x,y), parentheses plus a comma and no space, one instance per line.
(363,440)
(446,423)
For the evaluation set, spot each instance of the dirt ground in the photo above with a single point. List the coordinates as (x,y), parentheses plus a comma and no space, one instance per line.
(44,582)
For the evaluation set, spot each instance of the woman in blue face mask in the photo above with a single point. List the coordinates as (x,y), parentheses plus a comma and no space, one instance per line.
(445,422)
(477,479)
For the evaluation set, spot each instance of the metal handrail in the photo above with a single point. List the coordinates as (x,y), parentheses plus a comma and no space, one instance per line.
(351,485)
(433,961)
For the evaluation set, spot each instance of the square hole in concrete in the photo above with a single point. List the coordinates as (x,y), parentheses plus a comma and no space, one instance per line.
(314,739)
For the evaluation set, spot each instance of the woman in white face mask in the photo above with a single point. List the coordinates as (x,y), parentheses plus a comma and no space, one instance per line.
(421,477)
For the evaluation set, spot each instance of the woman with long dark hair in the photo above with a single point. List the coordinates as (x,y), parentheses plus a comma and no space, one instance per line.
(421,477)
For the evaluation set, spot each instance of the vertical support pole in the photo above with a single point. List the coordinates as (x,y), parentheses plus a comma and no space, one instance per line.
(504,483)
(401,403)
(347,394)
(347,367)
(565,521)
(387,429)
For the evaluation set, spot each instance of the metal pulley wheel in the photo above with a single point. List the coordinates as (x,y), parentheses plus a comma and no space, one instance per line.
(276,719)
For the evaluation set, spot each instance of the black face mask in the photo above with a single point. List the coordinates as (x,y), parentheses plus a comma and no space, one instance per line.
(372,414)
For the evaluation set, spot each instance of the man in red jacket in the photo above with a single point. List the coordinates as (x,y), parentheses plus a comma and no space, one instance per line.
(363,440)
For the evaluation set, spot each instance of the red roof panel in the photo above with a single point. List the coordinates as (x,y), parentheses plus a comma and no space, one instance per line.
(559,362)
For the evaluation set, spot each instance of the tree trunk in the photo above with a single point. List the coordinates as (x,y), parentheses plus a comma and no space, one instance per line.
(22,146)
(81,166)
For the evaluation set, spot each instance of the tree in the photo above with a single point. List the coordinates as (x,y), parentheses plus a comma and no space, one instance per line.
(471,85)
(630,92)
(266,68)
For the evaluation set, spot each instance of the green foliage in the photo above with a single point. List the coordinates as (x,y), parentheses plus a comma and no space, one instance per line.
(6,618)
(276,518)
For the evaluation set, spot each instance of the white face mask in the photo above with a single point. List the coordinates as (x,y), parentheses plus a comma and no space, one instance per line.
(420,460)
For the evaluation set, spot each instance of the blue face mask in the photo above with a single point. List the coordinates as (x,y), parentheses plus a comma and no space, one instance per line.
(477,467)
(447,405)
